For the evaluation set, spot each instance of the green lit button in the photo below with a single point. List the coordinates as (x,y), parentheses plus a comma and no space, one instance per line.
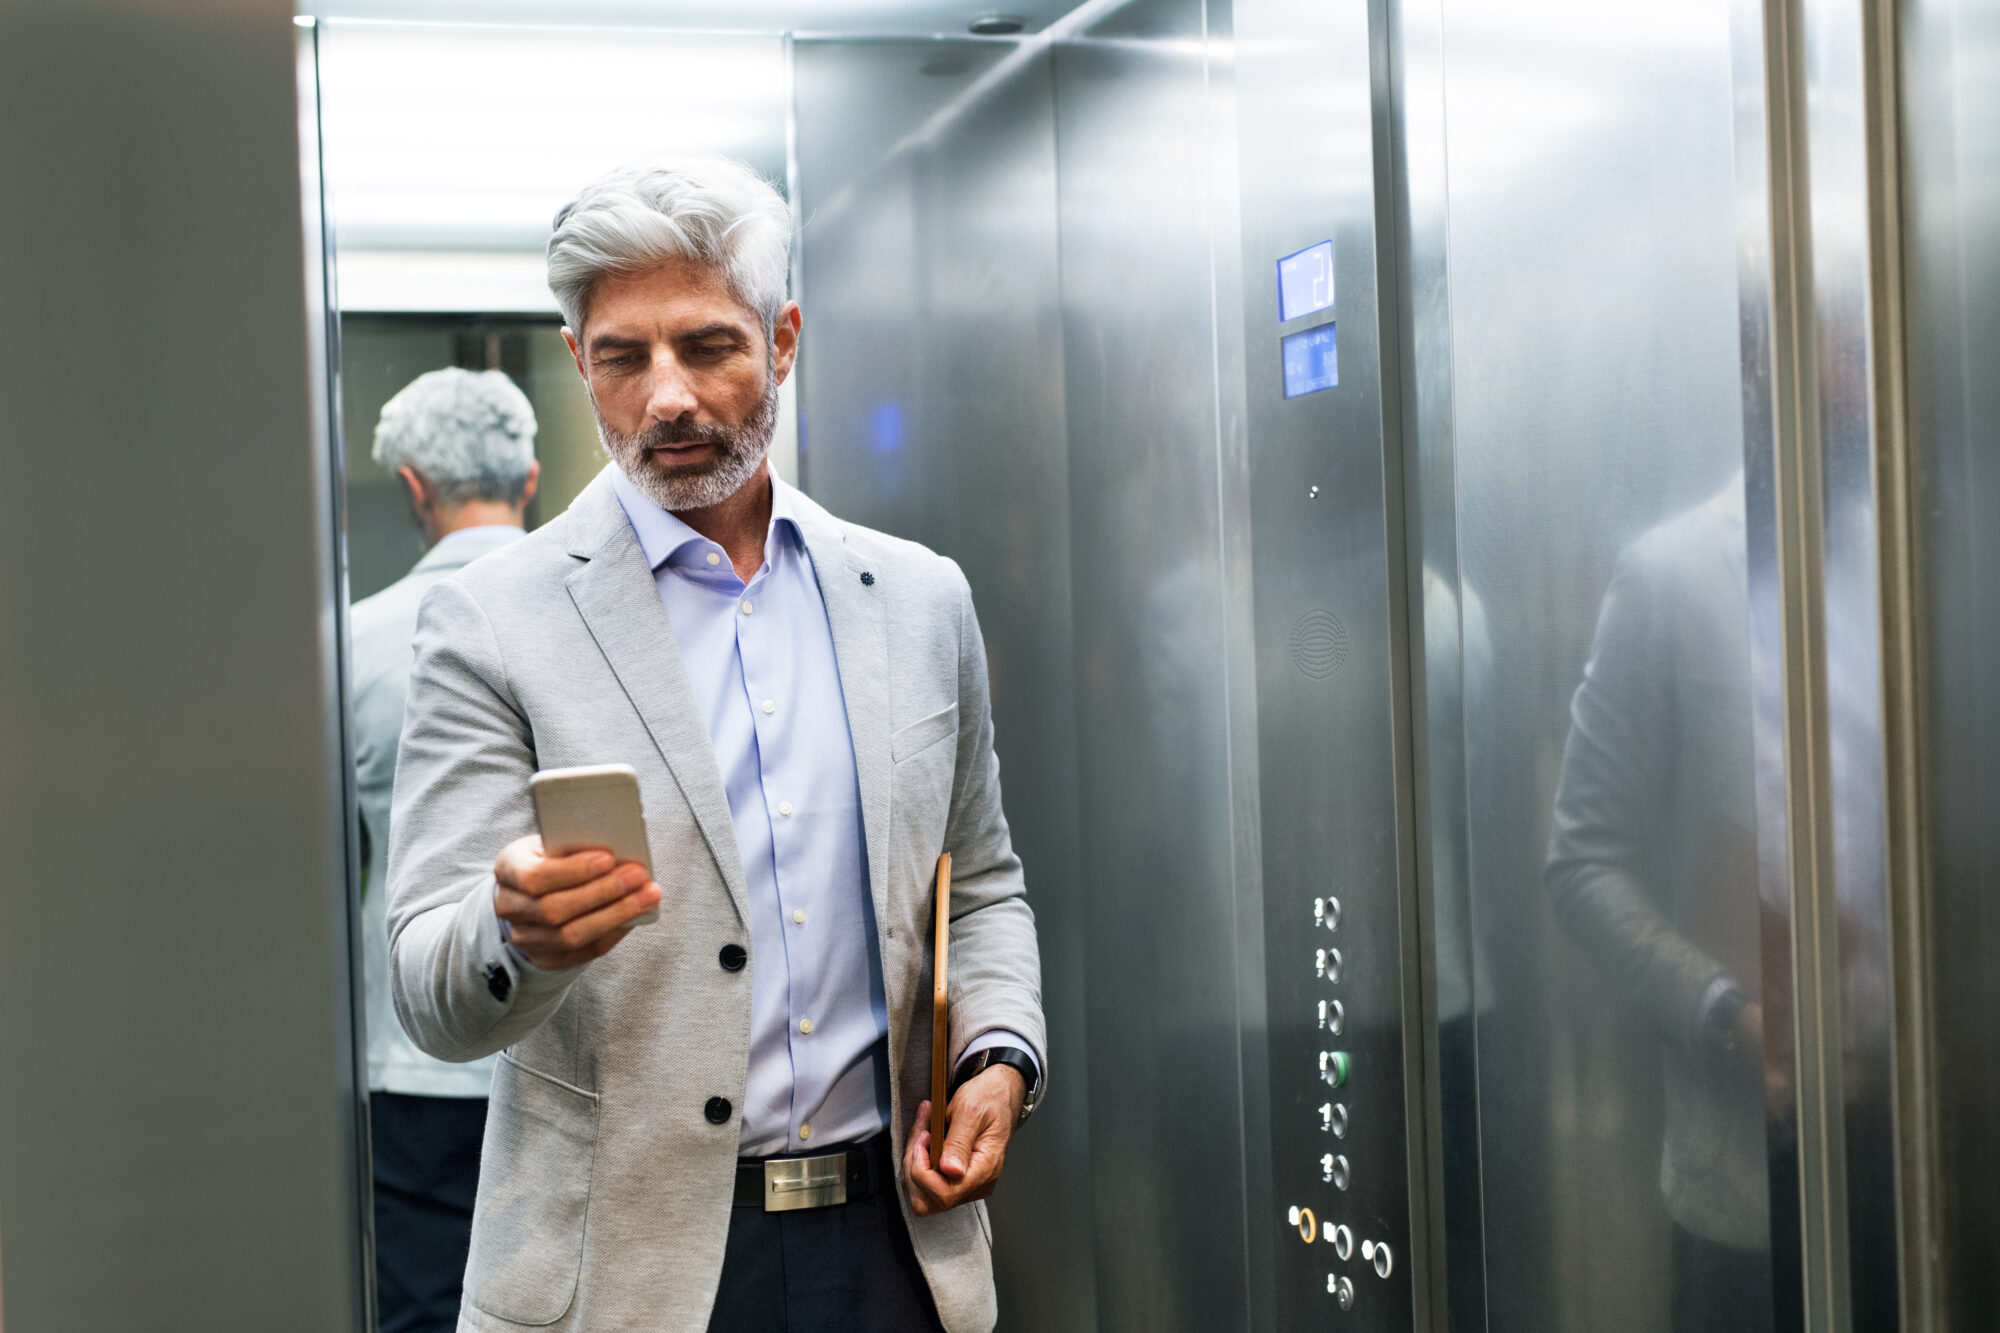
(1333,1067)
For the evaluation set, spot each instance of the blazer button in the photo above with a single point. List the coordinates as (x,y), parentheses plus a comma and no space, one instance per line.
(498,984)
(732,957)
(717,1110)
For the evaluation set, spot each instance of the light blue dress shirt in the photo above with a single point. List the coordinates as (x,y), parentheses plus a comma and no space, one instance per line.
(761,661)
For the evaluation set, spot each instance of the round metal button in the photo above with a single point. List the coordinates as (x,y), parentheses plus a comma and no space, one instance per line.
(718,1110)
(733,957)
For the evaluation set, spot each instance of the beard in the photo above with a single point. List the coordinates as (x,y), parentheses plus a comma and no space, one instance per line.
(738,451)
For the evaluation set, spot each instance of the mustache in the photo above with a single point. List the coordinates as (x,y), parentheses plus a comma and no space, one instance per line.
(662,433)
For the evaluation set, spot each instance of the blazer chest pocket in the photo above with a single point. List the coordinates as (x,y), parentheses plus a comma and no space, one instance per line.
(534,1188)
(922,734)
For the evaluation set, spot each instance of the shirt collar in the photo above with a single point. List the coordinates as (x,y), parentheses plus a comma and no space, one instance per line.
(473,540)
(666,539)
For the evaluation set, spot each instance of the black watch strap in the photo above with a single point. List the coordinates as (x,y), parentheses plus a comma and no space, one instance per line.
(1013,1057)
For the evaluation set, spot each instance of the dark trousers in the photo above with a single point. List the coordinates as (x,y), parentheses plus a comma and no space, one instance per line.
(844,1269)
(426,1176)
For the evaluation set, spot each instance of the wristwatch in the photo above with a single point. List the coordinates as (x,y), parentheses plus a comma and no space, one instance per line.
(1720,1008)
(1014,1058)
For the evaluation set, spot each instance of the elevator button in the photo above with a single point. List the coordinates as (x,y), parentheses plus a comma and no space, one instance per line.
(1338,1173)
(1326,912)
(1327,963)
(1332,1016)
(1383,1260)
(1342,1289)
(1333,1118)
(1333,1067)
(1343,1240)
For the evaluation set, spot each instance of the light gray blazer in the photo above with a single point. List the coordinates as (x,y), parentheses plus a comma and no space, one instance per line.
(382,627)
(604,1191)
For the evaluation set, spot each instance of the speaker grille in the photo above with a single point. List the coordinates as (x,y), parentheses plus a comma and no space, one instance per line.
(1318,645)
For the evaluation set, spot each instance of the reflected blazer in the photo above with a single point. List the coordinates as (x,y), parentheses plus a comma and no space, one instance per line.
(605,1188)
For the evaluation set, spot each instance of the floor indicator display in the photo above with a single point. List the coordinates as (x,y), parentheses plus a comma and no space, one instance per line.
(1311,362)
(1305,282)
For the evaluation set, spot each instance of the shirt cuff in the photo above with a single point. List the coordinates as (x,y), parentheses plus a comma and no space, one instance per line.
(1000,1037)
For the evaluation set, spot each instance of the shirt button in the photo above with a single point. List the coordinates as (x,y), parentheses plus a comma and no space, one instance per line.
(769,706)
(805,1131)
(714,559)
(799,915)
(746,608)
(717,1110)
(784,807)
(806,1026)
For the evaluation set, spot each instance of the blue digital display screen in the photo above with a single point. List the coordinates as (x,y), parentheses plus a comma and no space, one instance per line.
(1311,362)
(1305,281)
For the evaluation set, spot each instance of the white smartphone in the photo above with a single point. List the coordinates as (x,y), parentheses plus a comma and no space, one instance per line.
(581,808)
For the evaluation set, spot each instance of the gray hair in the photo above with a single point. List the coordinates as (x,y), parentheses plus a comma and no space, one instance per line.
(471,433)
(710,210)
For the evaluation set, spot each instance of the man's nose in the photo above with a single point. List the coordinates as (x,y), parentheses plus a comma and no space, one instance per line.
(671,394)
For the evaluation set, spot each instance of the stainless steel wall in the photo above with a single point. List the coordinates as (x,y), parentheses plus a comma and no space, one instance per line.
(1031,379)
(932,406)
(1951,142)
(179,1146)
(1577,212)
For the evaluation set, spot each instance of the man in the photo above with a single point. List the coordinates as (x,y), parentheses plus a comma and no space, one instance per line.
(462,446)
(1653,872)
(805,702)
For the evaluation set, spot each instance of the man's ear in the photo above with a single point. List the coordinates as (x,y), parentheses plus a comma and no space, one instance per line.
(575,351)
(785,340)
(528,486)
(417,489)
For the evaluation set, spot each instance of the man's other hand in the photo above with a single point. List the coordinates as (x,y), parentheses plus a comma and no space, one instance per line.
(563,911)
(979,1120)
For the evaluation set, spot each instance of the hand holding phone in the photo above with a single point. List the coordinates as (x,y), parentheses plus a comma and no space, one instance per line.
(572,894)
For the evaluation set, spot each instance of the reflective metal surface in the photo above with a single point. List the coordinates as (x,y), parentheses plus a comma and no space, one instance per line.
(1156,506)
(180,1104)
(932,407)
(1601,616)
(1328,662)
(1951,220)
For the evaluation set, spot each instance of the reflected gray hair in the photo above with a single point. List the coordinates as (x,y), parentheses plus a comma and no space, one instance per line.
(710,210)
(471,433)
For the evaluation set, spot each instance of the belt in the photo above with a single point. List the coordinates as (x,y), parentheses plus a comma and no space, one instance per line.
(782,1184)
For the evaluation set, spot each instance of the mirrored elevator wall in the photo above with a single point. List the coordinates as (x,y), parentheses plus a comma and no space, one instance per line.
(1043,337)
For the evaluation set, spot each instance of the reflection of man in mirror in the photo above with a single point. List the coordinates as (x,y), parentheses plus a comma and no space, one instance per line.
(1653,872)
(717,1120)
(462,445)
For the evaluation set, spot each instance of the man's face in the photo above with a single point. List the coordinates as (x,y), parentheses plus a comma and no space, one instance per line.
(684,383)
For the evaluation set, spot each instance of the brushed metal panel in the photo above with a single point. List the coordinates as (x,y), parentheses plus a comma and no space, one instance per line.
(1596,411)
(1951,148)
(1150,490)
(932,407)
(182,1145)
(1326,667)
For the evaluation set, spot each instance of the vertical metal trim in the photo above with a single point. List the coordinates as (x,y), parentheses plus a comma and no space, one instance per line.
(1797,490)
(1919,1208)
(323,374)
(1415,178)
(1404,529)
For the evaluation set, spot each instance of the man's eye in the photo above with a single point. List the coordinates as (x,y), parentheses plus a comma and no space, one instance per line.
(618,362)
(712,350)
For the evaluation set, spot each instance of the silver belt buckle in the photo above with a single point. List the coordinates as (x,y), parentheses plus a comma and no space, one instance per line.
(804,1182)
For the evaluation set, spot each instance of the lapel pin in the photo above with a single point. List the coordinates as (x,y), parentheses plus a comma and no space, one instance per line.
(867,579)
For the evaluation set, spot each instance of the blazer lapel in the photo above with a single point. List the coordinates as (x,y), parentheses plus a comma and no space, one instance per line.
(615,595)
(855,614)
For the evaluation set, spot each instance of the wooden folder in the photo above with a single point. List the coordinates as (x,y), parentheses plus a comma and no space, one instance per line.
(940,1009)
